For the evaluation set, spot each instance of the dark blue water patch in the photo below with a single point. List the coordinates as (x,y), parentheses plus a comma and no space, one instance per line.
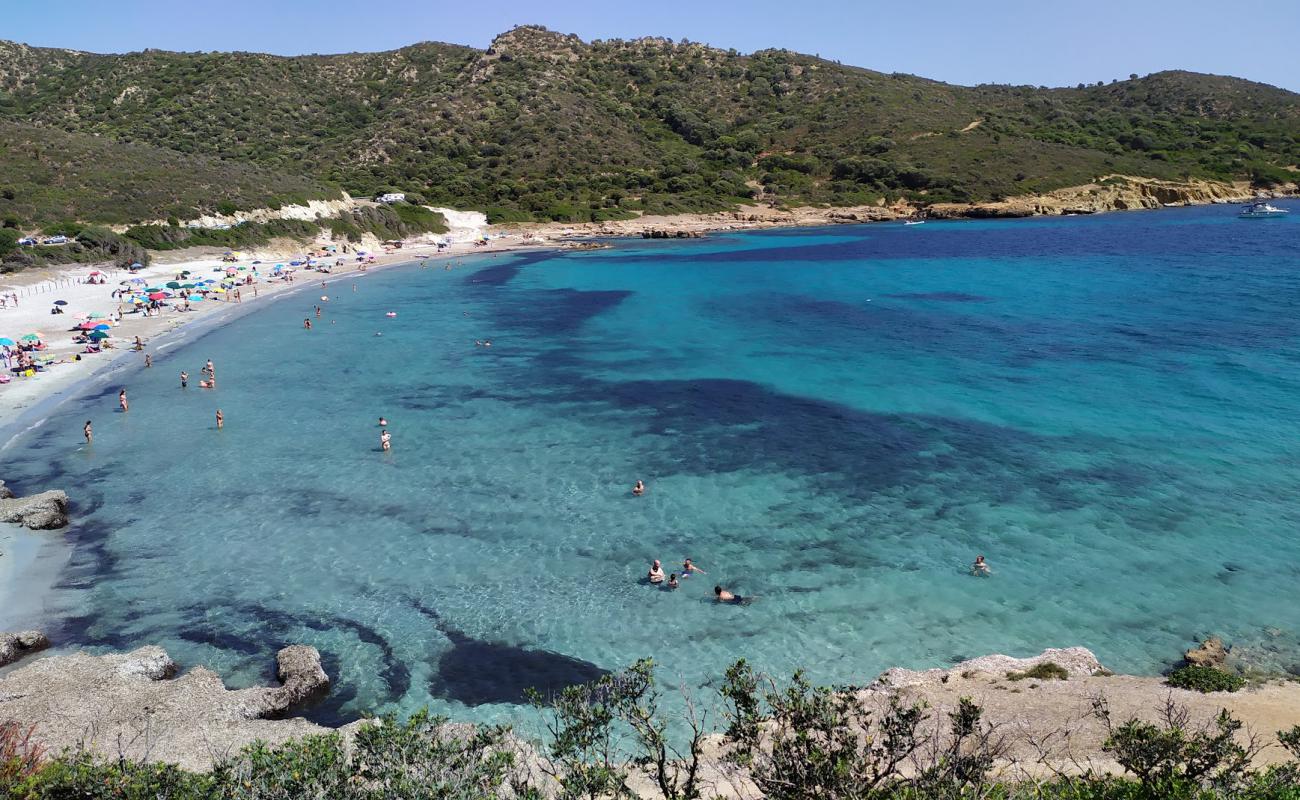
(478,672)
(942,297)
(501,274)
(558,312)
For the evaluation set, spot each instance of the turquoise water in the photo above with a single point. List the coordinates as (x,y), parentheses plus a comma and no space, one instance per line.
(835,421)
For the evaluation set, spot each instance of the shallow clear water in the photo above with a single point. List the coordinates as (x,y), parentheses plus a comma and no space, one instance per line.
(835,421)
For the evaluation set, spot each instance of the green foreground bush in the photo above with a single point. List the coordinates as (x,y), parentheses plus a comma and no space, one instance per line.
(792,740)
(1205,679)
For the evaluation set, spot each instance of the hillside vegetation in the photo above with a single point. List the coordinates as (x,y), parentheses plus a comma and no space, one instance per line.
(543,125)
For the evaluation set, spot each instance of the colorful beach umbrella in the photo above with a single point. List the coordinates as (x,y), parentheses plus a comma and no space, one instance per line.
(196,298)
(157,295)
(97,336)
(60,302)
(172,284)
(97,315)
(87,326)
(32,337)
(137,280)
(5,341)
(103,326)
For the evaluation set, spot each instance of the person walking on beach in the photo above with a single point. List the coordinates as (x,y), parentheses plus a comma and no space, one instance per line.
(88,432)
(185,379)
(221,420)
(385,441)
(121,400)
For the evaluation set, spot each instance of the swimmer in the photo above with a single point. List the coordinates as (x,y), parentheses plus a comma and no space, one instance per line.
(377,333)
(148,360)
(656,574)
(207,384)
(317,312)
(221,420)
(383,423)
(672,581)
(88,432)
(121,400)
(306,324)
(688,568)
(638,489)
(185,379)
(385,441)
(724,596)
(980,567)
(210,370)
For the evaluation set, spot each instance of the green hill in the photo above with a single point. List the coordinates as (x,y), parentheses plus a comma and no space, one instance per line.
(546,125)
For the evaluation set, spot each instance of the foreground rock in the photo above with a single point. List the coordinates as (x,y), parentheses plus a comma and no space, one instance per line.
(1210,653)
(44,511)
(1051,725)
(1079,662)
(131,704)
(14,646)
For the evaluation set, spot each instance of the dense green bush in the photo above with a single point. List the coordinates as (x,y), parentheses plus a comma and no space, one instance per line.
(1205,679)
(794,741)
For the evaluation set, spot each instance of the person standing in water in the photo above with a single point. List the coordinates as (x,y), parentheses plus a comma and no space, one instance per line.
(306,324)
(148,360)
(210,370)
(88,432)
(656,574)
(185,379)
(121,400)
(221,420)
(385,441)
(980,568)
(638,489)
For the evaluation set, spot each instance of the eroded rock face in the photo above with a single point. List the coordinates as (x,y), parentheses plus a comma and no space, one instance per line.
(1079,662)
(302,679)
(14,646)
(132,701)
(5,492)
(43,511)
(1210,653)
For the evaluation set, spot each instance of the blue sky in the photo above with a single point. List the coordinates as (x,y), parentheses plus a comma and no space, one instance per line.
(1047,42)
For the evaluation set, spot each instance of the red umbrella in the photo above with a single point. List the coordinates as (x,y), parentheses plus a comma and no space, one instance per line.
(157,295)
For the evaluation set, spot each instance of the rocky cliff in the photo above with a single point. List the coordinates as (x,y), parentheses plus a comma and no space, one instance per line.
(1111,193)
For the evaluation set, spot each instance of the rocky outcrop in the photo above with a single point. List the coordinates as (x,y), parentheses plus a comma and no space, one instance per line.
(133,703)
(5,492)
(302,679)
(1210,653)
(666,233)
(1109,193)
(43,511)
(14,646)
(1079,662)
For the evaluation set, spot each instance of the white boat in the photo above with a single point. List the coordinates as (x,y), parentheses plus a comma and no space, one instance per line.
(914,222)
(1261,210)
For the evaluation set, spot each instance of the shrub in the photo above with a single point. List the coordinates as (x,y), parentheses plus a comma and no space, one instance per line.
(1042,671)
(1205,679)
(20,756)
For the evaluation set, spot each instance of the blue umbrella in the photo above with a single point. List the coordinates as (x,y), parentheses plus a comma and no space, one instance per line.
(5,341)
(102,327)
(196,298)
(60,302)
